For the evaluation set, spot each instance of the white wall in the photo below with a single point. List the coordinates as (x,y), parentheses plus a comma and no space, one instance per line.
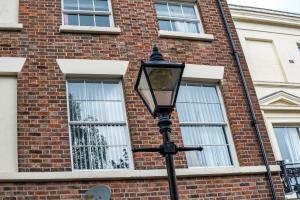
(269,41)
(263,61)
(8,124)
(9,11)
(284,44)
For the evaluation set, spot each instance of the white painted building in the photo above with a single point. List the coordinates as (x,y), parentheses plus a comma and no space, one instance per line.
(271,44)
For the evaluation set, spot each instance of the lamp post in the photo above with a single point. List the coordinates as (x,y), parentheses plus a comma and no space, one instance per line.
(157,84)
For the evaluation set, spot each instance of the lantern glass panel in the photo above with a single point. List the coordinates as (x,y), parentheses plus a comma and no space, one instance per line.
(164,82)
(145,92)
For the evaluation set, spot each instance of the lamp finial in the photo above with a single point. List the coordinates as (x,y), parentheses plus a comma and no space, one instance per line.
(156,55)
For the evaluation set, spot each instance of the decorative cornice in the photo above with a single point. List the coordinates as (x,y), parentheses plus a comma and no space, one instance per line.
(280,100)
(266,16)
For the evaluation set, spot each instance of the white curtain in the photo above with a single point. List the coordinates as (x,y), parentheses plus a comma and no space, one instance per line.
(202,123)
(212,139)
(289,143)
(98,125)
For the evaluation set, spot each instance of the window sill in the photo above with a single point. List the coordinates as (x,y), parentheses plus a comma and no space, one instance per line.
(188,36)
(132,174)
(89,29)
(10,27)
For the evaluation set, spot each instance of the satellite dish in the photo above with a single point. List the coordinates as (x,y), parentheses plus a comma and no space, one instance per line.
(100,192)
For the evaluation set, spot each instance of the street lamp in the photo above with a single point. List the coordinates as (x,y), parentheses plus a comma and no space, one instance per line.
(157,84)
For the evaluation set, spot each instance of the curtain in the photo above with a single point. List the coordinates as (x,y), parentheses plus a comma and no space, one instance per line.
(289,144)
(98,125)
(202,123)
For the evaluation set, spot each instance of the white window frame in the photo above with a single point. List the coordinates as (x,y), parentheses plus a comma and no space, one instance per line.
(86,12)
(130,154)
(271,125)
(169,18)
(228,132)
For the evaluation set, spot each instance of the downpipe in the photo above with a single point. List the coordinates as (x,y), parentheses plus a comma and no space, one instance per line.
(250,103)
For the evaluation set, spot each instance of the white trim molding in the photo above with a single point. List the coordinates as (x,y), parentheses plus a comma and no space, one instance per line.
(282,118)
(11,65)
(208,73)
(280,100)
(8,124)
(276,84)
(98,68)
(89,29)
(265,16)
(132,174)
(10,27)
(188,36)
(280,109)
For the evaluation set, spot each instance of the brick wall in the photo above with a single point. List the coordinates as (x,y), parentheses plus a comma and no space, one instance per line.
(43,138)
(220,188)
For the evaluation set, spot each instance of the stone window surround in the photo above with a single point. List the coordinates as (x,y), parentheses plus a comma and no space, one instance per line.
(10,15)
(10,67)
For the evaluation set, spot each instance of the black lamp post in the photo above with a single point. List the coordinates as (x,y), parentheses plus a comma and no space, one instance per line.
(157,84)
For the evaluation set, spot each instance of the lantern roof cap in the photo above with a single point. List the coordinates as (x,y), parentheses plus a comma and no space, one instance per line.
(156,55)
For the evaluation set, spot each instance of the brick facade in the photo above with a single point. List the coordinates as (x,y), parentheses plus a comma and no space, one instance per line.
(230,188)
(43,137)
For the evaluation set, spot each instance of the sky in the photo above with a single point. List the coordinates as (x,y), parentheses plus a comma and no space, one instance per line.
(281,5)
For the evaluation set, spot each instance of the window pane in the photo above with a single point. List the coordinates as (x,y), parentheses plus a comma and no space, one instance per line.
(102,21)
(179,26)
(162,9)
(86,5)
(192,27)
(112,91)
(211,156)
(94,91)
(200,113)
(76,90)
(289,143)
(70,5)
(203,135)
(189,12)
(99,147)
(101,5)
(98,135)
(175,10)
(96,111)
(165,25)
(199,104)
(86,20)
(71,20)
(215,152)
